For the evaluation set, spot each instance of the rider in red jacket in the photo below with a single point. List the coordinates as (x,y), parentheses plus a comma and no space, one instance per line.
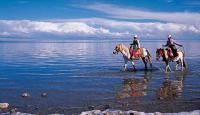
(171,43)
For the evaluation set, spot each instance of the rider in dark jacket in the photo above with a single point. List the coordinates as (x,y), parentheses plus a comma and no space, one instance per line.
(134,47)
(136,43)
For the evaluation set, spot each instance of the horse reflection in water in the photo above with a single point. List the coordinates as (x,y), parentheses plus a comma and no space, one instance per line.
(171,89)
(134,87)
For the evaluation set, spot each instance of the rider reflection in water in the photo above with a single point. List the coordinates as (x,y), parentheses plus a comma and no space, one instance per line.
(171,43)
(134,47)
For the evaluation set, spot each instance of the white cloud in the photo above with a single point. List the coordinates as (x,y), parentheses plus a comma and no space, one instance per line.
(28,28)
(138,27)
(125,13)
(94,27)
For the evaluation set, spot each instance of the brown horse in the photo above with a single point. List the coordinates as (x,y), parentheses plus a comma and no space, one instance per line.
(180,59)
(142,54)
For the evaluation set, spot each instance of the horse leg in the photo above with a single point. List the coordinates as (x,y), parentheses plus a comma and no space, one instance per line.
(182,64)
(167,67)
(125,64)
(177,63)
(133,65)
(151,66)
(145,63)
(150,62)
(149,59)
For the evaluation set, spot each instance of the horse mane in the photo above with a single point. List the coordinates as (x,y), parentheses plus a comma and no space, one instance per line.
(123,47)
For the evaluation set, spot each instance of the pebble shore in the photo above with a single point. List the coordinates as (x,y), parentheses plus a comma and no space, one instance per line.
(115,112)
(119,112)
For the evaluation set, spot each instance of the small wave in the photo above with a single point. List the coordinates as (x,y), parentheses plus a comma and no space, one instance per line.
(3,78)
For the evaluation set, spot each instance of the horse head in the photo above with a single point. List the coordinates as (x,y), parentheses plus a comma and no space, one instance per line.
(159,53)
(118,48)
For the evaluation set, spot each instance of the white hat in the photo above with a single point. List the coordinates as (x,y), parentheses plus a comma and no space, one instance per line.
(169,36)
(135,36)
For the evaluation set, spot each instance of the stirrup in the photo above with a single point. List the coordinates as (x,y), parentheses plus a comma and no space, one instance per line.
(131,58)
(175,59)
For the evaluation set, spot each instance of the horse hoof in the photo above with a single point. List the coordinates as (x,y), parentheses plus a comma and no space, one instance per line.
(134,69)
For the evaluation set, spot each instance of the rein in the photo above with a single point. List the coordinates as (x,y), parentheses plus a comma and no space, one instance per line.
(160,52)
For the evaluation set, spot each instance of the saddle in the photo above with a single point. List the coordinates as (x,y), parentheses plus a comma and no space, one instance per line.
(135,54)
(170,53)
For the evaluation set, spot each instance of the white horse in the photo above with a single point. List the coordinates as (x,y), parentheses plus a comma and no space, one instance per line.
(142,54)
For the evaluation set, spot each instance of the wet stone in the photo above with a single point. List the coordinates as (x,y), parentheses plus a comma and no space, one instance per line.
(4,105)
(91,107)
(28,106)
(106,107)
(131,113)
(13,110)
(44,95)
(25,95)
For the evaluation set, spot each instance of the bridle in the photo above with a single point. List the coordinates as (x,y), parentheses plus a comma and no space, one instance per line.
(159,53)
(116,50)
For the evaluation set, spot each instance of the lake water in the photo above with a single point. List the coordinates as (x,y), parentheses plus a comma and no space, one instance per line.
(82,75)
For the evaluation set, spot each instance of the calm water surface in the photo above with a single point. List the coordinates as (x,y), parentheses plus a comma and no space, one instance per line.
(84,75)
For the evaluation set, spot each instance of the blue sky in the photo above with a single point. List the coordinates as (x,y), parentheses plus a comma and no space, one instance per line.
(93,18)
(45,9)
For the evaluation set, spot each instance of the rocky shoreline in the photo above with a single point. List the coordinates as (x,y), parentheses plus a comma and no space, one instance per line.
(6,109)
(115,112)
(131,112)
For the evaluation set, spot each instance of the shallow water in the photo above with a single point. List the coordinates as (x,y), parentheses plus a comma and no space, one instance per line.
(83,75)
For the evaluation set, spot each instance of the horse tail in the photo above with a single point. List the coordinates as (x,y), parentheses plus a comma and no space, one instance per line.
(184,61)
